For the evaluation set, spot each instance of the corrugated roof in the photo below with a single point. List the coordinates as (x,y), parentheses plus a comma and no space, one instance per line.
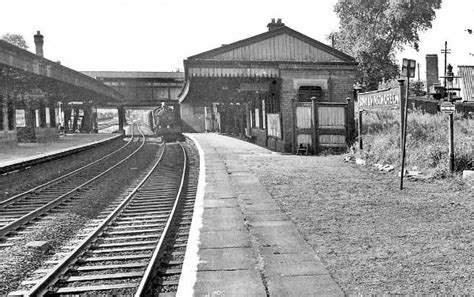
(134,74)
(467,82)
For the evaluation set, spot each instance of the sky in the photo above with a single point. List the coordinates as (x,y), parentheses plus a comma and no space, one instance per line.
(157,35)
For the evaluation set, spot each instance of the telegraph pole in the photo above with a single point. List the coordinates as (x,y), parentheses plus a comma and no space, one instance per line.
(445,51)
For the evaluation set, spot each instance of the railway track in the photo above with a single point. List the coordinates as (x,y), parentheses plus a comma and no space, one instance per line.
(121,254)
(168,275)
(24,208)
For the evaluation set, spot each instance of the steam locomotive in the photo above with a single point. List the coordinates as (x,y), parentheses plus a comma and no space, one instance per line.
(166,122)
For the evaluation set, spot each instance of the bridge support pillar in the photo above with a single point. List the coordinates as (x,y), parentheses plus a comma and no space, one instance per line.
(121,116)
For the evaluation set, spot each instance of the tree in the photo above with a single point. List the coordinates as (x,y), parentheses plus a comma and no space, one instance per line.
(15,39)
(417,88)
(371,31)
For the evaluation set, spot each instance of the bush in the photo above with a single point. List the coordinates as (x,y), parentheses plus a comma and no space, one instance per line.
(427,146)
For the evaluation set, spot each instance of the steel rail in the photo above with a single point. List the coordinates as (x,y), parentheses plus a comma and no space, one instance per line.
(50,205)
(16,197)
(151,268)
(49,279)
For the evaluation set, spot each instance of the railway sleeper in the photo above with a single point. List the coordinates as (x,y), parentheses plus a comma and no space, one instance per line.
(172,263)
(115,227)
(170,272)
(17,207)
(111,266)
(137,214)
(85,278)
(152,201)
(159,192)
(123,244)
(12,215)
(156,194)
(151,230)
(158,187)
(72,290)
(170,283)
(123,249)
(151,220)
(179,245)
(115,258)
(149,209)
(149,214)
(148,205)
(154,205)
(130,237)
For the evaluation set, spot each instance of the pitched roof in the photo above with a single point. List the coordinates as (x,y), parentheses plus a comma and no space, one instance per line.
(134,74)
(280,38)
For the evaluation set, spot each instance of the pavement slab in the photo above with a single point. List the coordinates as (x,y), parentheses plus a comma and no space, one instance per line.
(231,283)
(227,259)
(224,218)
(225,239)
(302,285)
(247,245)
(219,203)
(292,265)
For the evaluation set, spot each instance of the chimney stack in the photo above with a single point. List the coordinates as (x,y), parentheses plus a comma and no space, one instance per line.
(432,75)
(275,25)
(39,44)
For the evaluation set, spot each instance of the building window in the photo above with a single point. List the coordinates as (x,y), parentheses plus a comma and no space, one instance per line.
(305,93)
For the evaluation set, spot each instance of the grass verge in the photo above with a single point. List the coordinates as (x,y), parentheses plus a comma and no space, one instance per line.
(427,141)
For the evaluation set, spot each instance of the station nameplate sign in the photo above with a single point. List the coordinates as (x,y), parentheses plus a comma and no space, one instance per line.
(383,98)
(447,107)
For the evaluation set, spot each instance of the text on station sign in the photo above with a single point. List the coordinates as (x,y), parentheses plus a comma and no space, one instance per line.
(388,98)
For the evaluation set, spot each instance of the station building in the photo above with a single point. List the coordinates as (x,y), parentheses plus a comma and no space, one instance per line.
(281,89)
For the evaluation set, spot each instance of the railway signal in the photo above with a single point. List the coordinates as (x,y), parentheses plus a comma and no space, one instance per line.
(449,108)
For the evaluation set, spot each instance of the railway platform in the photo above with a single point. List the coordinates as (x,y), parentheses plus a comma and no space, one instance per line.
(28,154)
(241,243)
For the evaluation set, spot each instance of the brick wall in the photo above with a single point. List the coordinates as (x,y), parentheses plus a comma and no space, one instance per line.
(191,122)
(336,82)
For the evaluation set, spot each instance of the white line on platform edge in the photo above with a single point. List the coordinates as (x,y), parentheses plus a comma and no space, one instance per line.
(191,260)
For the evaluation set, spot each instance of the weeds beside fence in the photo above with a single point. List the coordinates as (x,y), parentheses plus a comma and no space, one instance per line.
(427,141)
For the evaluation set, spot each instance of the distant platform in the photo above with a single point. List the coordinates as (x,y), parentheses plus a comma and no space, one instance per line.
(11,158)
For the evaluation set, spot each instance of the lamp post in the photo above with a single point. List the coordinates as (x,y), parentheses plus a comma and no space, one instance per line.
(408,70)
(449,78)
(357,89)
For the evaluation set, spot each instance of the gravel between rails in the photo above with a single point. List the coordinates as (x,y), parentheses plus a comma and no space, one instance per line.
(17,262)
(372,237)
(41,173)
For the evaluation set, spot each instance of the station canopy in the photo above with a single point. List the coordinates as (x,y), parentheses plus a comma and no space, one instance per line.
(24,74)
